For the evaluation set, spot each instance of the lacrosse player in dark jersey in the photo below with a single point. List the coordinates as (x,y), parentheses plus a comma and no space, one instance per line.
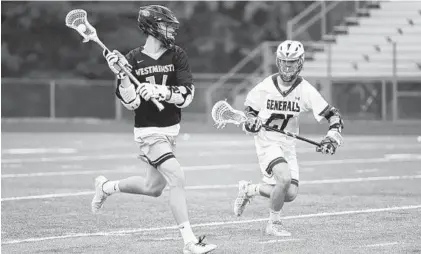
(163,70)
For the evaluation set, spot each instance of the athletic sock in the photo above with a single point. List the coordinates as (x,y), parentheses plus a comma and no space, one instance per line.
(111,187)
(187,233)
(253,190)
(274,216)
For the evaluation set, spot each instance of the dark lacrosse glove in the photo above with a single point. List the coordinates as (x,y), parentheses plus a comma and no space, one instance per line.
(253,125)
(330,143)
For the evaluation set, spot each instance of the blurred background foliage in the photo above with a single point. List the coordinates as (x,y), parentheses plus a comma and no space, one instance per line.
(216,35)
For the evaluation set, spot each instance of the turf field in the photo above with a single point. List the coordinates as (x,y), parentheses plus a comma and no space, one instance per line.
(364,199)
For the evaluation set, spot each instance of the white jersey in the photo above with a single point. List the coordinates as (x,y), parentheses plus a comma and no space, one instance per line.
(281,106)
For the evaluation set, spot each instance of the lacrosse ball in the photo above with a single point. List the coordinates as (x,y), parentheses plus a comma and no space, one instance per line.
(81,28)
(419,139)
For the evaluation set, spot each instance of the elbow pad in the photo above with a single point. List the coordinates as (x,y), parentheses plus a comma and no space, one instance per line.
(181,96)
(129,97)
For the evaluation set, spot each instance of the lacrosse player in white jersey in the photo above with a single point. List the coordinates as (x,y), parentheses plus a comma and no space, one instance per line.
(278,101)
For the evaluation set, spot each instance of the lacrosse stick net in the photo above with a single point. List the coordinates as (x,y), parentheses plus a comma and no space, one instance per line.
(78,20)
(223,113)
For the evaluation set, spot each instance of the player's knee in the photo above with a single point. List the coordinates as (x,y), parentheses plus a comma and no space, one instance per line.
(292,191)
(156,192)
(172,171)
(282,174)
(155,189)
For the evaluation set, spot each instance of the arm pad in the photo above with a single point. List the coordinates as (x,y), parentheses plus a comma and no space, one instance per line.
(181,96)
(129,98)
(250,112)
(335,119)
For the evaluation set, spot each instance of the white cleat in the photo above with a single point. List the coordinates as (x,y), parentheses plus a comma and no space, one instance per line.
(100,195)
(198,248)
(242,199)
(276,228)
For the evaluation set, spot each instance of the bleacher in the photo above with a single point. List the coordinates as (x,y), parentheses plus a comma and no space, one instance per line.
(363,45)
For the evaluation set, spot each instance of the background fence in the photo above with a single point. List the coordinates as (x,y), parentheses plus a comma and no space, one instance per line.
(375,98)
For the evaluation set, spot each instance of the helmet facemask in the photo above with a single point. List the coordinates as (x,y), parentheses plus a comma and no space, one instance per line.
(168,30)
(289,68)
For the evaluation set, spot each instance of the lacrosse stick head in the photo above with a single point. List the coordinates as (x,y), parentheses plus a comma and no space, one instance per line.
(78,20)
(223,113)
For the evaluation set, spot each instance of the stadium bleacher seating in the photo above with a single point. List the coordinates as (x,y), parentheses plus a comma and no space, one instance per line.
(363,45)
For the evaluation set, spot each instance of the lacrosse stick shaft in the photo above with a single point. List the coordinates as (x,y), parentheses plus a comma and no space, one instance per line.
(132,78)
(292,135)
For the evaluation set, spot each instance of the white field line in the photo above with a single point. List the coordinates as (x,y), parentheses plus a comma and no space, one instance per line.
(381,244)
(367,170)
(228,186)
(125,170)
(68,173)
(219,152)
(213,224)
(39,150)
(55,195)
(387,158)
(281,241)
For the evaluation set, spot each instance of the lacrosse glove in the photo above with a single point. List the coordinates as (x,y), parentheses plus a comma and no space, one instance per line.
(148,91)
(253,125)
(113,58)
(330,142)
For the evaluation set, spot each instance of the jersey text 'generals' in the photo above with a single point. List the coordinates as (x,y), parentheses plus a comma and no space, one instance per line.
(169,69)
(280,107)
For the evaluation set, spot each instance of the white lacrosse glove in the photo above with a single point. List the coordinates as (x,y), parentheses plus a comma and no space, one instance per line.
(253,125)
(148,91)
(330,142)
(113,58)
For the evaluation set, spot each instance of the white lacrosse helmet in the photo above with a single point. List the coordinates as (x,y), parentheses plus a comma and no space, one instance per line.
(289,59)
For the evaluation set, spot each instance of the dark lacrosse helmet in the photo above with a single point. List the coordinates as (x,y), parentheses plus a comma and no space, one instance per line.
(159,22)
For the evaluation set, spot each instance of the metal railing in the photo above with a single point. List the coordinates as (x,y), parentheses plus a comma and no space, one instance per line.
(318,11)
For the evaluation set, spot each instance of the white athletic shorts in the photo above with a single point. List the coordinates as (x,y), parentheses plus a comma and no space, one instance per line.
(270,153)
(155,149)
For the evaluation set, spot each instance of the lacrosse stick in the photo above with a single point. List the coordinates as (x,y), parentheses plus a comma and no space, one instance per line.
(223,113)
(77,19)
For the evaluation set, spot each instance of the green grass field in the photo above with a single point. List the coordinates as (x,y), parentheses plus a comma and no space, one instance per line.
(364,199)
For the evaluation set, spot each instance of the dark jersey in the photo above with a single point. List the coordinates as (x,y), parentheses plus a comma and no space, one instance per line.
(170,69)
